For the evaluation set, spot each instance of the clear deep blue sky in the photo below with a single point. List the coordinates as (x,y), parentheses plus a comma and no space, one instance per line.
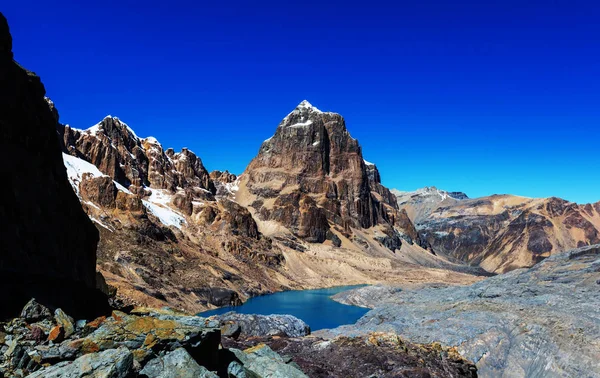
(478,96)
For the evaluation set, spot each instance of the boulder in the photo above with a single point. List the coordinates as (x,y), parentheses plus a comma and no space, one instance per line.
(179,364)
(265,325)
(65,321)
(33,311)
(261,362)
(112,363)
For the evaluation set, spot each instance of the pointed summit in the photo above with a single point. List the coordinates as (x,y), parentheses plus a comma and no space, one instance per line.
(303,108)
(307,105)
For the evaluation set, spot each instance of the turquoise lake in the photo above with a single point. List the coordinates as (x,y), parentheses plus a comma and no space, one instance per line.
(315,307)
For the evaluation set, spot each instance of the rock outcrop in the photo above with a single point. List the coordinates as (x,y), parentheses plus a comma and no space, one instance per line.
(48,243)
(501,232)
(149,343)
(538,322)
(114,148)
(311,176)
(383,355)
(262,325)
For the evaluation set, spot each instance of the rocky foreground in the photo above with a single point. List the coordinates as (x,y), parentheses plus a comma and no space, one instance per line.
(538,322)
(164,343)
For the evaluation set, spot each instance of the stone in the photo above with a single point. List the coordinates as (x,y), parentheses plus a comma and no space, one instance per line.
(33,311)
(80,324)
(57,334)
(37,334)
(178,363)
(527,322)
(231,330)
(112,363)
(265,325)
(376,354)
(236,370)
(264,363)
(153,333)
(65,321)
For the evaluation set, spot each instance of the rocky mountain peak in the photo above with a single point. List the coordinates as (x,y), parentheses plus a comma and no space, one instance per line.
(117,151)
(305,107)
(312,173)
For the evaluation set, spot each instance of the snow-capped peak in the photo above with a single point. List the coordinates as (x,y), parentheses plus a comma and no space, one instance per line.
(368,163)
(94,129)
(302,108)
(307,105)
(151,140)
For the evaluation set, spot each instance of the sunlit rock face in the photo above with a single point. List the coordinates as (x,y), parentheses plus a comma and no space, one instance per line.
(311,175)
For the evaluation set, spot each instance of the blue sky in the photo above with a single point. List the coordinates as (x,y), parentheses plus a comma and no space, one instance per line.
(481,97)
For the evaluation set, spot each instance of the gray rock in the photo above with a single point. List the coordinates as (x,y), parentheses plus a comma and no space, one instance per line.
(33,312)
(231,330)
(112,363)
(236,370)
(80,324)
(262,362)
(65,321)
(179,364)
(266,325)
(537,322)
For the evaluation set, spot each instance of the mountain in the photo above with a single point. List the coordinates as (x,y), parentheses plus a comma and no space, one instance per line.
(422,202)
(311,178)
(501,232)
(165,237)
(173,234)
(48,243)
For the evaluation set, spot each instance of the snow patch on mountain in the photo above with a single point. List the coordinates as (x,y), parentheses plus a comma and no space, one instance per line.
(166,216)
(77,167)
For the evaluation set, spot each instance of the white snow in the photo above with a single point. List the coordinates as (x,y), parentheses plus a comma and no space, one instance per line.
(307,105)
(158,204)
(233,187)
(166,216)
(368,163)
(302,124)
(151,140)
(77,167)
(160,196)
(102,224)
(303,106)
(97,127)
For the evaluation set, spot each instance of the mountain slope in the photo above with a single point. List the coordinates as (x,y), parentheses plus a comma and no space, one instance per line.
(501,232)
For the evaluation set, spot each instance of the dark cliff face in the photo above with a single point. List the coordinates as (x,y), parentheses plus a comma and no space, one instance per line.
(48,242)
(312,172)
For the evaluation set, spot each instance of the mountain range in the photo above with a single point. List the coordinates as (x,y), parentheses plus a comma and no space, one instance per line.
(308,211)
(110,228)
